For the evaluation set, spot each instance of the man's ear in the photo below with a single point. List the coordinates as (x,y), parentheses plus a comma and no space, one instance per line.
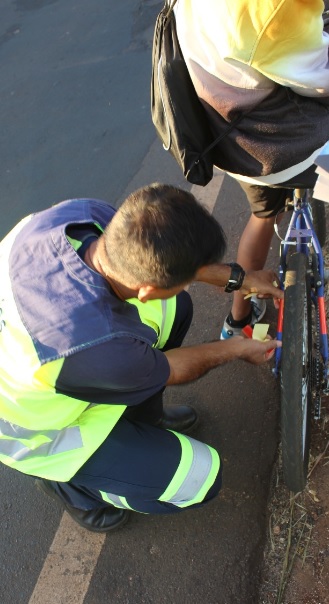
(147,292)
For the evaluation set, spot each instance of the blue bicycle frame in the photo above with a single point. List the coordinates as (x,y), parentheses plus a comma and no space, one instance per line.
(300,234)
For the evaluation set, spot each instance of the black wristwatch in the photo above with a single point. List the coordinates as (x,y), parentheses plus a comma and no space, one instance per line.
(236,278)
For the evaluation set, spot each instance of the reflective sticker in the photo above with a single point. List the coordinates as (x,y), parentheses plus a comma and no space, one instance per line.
(197,471)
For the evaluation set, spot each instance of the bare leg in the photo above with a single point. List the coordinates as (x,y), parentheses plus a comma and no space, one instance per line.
(253,249)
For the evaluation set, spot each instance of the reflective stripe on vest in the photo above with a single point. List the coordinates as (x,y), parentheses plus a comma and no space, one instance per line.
(196,473)
(58,441)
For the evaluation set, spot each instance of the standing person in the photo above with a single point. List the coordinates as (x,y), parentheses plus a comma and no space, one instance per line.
(268,61)
(93,315)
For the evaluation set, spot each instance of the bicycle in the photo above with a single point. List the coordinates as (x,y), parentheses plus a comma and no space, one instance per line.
(302,362)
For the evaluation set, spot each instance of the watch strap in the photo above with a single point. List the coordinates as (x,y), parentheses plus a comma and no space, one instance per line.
(236,277)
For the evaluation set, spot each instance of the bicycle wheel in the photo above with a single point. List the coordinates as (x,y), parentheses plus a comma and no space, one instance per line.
(319,220)
(296,369)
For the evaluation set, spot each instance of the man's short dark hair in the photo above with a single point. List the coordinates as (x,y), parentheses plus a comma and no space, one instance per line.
(161,235)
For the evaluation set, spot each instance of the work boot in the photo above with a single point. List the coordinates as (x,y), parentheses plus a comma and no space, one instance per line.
(180,418)
(100,520)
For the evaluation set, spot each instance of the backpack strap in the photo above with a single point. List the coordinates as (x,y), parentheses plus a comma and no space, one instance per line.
(170,6)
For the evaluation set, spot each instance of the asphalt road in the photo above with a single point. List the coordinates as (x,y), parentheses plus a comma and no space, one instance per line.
(75,122)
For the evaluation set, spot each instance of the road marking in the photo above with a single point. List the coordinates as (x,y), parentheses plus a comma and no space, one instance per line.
(69,566)
(73,555)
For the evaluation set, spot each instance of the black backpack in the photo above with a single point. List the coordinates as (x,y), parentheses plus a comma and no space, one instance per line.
(177,113)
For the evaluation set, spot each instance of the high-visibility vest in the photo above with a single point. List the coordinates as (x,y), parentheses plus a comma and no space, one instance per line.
(52,306)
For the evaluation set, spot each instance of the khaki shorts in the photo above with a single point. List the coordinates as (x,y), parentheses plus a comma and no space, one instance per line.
(269,201)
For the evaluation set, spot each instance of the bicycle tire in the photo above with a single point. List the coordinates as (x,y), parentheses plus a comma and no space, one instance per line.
(319,220)
(296,368)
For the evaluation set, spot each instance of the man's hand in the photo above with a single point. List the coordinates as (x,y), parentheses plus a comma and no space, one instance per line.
(257,352)
(263,284)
